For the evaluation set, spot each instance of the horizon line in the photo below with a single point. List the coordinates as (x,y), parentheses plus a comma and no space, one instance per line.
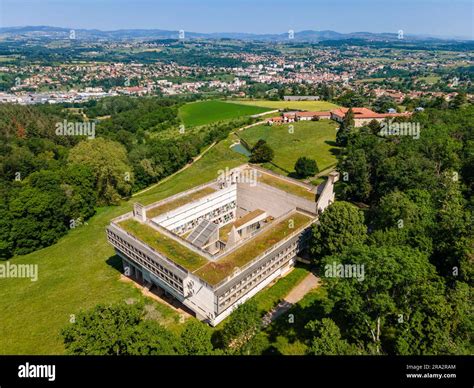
(420,34)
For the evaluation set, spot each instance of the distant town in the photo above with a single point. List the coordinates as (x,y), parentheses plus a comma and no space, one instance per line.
(172,68)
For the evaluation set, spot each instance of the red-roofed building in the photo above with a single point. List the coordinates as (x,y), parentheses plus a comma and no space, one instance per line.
(289,117)
(305,116)
(363,116)
(278,120)
(134,90)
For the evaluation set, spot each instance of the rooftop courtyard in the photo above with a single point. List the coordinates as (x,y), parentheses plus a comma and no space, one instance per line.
(211,271)
(214,272)
(216,229)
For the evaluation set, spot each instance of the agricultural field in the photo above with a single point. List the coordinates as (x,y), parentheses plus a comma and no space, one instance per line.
(314,139)
(369,80)
(206,112)
(429,79)
(301,105)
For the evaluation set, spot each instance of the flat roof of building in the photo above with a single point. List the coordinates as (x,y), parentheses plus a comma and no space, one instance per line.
(178,202)
(288,185)
(215,272)
(210,271)
(248,217)
(175,248)
(172,249)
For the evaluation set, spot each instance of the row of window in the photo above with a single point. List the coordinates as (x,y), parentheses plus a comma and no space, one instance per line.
(137,255)
(226,218)
(257,275)
(208,216)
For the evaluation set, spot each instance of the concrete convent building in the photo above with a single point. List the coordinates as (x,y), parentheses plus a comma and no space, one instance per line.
(216,245)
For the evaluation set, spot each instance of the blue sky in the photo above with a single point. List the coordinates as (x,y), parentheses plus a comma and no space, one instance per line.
(434,17)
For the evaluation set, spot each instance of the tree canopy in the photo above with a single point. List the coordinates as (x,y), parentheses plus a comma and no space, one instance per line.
(261,152)
(340,226)
(109,164)
(305,167)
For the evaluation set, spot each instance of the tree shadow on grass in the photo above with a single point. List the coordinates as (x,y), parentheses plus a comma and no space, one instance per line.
(291,324)
(293,175)
(279,167)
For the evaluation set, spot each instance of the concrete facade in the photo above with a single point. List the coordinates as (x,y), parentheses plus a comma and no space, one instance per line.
(218,207)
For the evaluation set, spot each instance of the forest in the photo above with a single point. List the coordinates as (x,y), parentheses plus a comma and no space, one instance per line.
(50,184)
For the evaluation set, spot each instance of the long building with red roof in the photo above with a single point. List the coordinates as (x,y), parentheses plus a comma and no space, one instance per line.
(363,116)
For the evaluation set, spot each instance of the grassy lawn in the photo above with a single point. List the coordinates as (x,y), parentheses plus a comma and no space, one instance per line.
(81,270)
(268,298)
(166,207)
(169,247)
(289,337)
(206,112)
(214,272)
(429,79)
(204,170)
(76,273)
(314,139)
(302,105)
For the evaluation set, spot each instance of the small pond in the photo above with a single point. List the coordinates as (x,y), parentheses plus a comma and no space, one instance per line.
(239,148)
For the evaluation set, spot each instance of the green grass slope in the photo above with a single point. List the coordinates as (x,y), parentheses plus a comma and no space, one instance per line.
(314,139)
(206,112)
(298,105)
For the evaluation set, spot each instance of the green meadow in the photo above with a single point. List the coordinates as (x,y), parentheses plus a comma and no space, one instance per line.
(301,105)
(205,112)
(313,139)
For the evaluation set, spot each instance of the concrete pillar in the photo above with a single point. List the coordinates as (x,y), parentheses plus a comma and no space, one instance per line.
(139,212)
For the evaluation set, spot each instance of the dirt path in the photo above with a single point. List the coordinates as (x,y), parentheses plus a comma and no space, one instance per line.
(177,172)
(251,125)
(310,282)
(159,297)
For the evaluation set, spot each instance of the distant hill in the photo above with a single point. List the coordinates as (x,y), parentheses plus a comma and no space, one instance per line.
(150,34)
